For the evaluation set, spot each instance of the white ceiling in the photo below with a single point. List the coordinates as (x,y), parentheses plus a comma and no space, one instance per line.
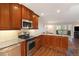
(69,12)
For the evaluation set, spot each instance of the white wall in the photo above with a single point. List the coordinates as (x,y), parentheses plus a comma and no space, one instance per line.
(8,35)
(50,28)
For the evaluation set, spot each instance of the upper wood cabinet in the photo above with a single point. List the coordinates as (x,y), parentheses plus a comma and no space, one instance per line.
(15,16)
(34,19)
(11,15)
(30,15)
(25,13)
(4,16)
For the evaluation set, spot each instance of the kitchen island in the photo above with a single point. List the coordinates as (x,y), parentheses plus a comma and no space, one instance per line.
(54,43)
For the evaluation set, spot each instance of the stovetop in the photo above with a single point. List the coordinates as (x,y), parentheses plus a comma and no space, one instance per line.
(28,38)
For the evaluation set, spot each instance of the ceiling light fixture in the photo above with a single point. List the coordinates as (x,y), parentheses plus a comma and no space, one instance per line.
(42,14)
(58,11)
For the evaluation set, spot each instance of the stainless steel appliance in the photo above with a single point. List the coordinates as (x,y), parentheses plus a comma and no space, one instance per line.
(26,24)
(30,47)
(23,35)
(29,40)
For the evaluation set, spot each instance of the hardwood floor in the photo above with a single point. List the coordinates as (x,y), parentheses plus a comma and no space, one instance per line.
(43,51)
(73,50)
(74,47)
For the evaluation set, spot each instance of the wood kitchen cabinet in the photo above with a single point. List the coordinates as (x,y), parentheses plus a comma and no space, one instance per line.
(5,20)
(64,43)
(37,43)
(35,22)
(30,15)
(23,48)
(55,42)
(25,13)
(46,41)
(34,19)
(15,16)
(10,16)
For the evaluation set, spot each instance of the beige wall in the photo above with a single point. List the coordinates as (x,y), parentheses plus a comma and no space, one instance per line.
(8,35)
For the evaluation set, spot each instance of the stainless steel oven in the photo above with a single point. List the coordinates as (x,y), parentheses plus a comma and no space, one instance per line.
(26,24)
(31,47)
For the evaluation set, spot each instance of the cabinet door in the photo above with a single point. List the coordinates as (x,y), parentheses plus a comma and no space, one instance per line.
(25,13)
(38,43)
(15,16)
(4,16)
(58,42)
(23,48)
(43,40)
(64,43)
(34,19)
(35,22)
(46,41)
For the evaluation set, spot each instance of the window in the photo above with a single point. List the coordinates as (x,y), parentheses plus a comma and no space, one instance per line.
(62,30)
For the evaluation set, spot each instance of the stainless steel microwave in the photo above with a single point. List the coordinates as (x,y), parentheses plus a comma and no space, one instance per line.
(26,24)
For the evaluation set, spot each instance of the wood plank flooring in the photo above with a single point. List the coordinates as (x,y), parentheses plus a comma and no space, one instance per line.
(74,47)
(43,51)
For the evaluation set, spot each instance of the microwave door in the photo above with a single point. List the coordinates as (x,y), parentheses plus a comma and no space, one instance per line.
(29,25)
(25,25)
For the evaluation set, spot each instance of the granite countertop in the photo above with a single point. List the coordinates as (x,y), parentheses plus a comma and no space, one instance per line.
(10,43)
(55,35)
(14,42)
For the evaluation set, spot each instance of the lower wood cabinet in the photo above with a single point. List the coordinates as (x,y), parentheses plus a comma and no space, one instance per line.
(64,42)
(58,43)
(37,43)
(23,48)
(55,42)
(46,41)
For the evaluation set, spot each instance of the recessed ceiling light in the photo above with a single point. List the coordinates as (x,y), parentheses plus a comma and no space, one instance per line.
(42,14)
(58,11)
